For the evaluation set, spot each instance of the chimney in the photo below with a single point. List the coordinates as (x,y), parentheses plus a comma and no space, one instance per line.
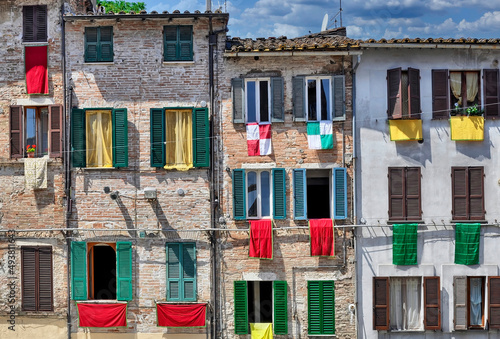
(209,5)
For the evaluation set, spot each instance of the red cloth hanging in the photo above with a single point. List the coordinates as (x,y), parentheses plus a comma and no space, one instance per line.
(261,239)
(37,75)
(102,315)
(322,238)
(189,315)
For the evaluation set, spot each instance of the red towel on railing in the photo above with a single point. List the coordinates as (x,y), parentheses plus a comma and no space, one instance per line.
(322,239)
(189,315)
(37,75)
(261,239)
(102,315)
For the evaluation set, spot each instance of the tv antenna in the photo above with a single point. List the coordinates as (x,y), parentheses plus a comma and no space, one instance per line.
(327,24)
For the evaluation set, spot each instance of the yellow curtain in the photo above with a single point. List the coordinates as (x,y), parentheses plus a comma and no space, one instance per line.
(472,85)
(456,85)
(179,138)
(99,139)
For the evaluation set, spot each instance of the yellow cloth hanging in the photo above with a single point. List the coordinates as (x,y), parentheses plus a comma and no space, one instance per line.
(99,137)
(261,330)
(405,129)
(467,128)
(179,138)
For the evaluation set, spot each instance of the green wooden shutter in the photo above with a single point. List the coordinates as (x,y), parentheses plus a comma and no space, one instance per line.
(299,102)
(280,304)
(239,201)
(185,46)
(321,307)
(173,272)
(328,300)
(124,270)
(78,147)
(277,97)
(79,270)
(201,138)
(279,193)
(339,193)
(338,94)
(299,194)
(105,46)
(157,120)
(188,272)
(314,312)
(170,43)
(120,138)
(240,307)
(91,44)
(238,86)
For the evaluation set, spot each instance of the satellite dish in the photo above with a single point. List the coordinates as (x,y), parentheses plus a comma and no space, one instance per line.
(325,22)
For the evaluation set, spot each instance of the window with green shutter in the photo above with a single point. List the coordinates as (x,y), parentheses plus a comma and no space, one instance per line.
(99,44)
(321,307)
(178,43)
(92,149)
(181,272)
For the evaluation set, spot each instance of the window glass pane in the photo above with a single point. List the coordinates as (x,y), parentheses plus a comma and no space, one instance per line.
(252,194)
(265,193)
(179,138)
(43,132)
(30,126)
(311,100)
(251,98)
(325,99)
(405,304)
(99,139)
(264,101)
(476,301)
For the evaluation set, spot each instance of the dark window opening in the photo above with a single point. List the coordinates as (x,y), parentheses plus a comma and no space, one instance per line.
(318,197)
(260,301)
(102,272)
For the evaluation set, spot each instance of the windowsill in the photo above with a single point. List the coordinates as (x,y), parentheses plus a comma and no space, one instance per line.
(191,62)
(98,168)
(404,118)
(181,302)
(109,301)
(407,331)
(469,221)
(36,43)
(322,335)
(105,63)
(339,119)
(392,222)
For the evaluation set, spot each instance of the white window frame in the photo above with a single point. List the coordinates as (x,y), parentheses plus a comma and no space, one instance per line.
(257,100)
(259,194)
(318,97)
(421,304)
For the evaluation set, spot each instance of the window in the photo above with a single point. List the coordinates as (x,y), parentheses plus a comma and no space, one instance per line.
(178,43)
(470,302)
(180,138)
(101,270)
(259,194)
(34,23)
(404,193)
(98,44)
(398,303)
(403,93)
(181,272)
(99,137)
(36,125)
(317,98)
(320,193)
(36,279)
(260,302)
(467,193)
(258,100)
(321,307)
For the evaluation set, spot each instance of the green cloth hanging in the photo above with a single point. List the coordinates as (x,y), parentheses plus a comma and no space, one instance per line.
(404,244)
(467,244)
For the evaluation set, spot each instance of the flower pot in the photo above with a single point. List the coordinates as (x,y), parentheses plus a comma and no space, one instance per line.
(31,155)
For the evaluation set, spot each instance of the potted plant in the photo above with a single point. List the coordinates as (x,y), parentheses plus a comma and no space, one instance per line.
(30,150)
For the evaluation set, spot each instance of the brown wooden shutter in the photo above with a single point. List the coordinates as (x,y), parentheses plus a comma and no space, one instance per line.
(56,133)
(45,279)
(459,193)
(380,303)
(412,190)
(28,278)
(396,193)
(432,303)
(494,302)
(40,23)
(394,109)
(440,94)
(491,93)
(460,302)
(414,93)
(28,23)
(16,132)
(476,193)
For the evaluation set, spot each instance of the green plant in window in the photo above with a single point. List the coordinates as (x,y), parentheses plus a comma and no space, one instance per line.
(474,111)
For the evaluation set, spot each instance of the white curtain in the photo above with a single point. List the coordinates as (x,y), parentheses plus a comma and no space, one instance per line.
(405,304)
(476,302)
(456,86)
(472,85)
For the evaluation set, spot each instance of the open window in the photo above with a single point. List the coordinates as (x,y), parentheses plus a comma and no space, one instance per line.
(320,193)
(469,302)
(101,271)
(260,302)
(36,125)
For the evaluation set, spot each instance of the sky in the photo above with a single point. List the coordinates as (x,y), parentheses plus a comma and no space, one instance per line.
(364,19)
